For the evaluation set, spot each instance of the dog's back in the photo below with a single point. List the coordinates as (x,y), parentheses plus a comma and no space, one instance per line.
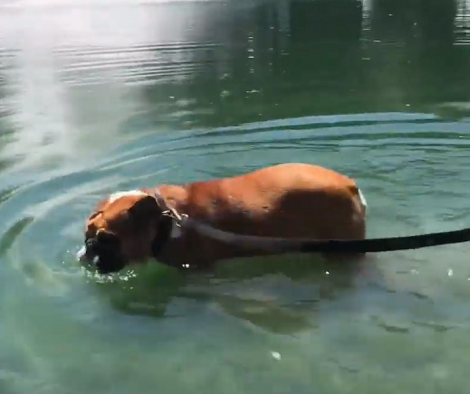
(288,200)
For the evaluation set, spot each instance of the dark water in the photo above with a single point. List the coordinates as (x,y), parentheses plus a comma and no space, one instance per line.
(98,97)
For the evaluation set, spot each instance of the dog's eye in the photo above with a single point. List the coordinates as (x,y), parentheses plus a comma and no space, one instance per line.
(105,238)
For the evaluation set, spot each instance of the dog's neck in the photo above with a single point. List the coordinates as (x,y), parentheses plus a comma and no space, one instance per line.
(169,234)
(170,229)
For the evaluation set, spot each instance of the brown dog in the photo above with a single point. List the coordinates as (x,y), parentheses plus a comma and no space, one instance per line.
(286,200)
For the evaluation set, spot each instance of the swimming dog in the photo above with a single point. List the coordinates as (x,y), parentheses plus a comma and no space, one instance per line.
(291,200)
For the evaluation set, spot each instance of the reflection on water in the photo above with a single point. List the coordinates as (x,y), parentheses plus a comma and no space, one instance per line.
(98,97)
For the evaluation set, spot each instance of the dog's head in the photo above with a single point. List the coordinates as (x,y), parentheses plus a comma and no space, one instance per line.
(121,231)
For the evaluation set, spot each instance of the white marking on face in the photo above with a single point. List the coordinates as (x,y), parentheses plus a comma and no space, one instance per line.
(81,252)
(115,196)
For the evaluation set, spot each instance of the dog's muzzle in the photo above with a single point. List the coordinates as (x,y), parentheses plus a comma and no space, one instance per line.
(102,253)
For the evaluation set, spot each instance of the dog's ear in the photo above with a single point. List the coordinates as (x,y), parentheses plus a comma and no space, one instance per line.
(145,208)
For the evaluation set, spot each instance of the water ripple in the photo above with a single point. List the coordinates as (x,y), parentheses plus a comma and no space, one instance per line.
(101,97)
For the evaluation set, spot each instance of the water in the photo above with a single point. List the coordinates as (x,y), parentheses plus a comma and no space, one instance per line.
(103,96)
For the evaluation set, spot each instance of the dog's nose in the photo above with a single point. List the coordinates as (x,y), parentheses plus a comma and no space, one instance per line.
(86,254)
(103,256)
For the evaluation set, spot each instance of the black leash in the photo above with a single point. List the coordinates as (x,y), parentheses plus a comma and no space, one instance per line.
(332,245)
(285,245)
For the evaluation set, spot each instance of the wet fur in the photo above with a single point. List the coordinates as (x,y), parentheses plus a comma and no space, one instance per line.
(287,200)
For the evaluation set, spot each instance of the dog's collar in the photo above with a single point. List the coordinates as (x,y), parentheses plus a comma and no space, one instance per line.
(168,227)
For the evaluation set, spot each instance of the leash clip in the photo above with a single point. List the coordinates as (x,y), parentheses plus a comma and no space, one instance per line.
(178,218)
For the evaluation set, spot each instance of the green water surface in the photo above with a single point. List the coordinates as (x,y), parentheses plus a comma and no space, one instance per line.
(97,97)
